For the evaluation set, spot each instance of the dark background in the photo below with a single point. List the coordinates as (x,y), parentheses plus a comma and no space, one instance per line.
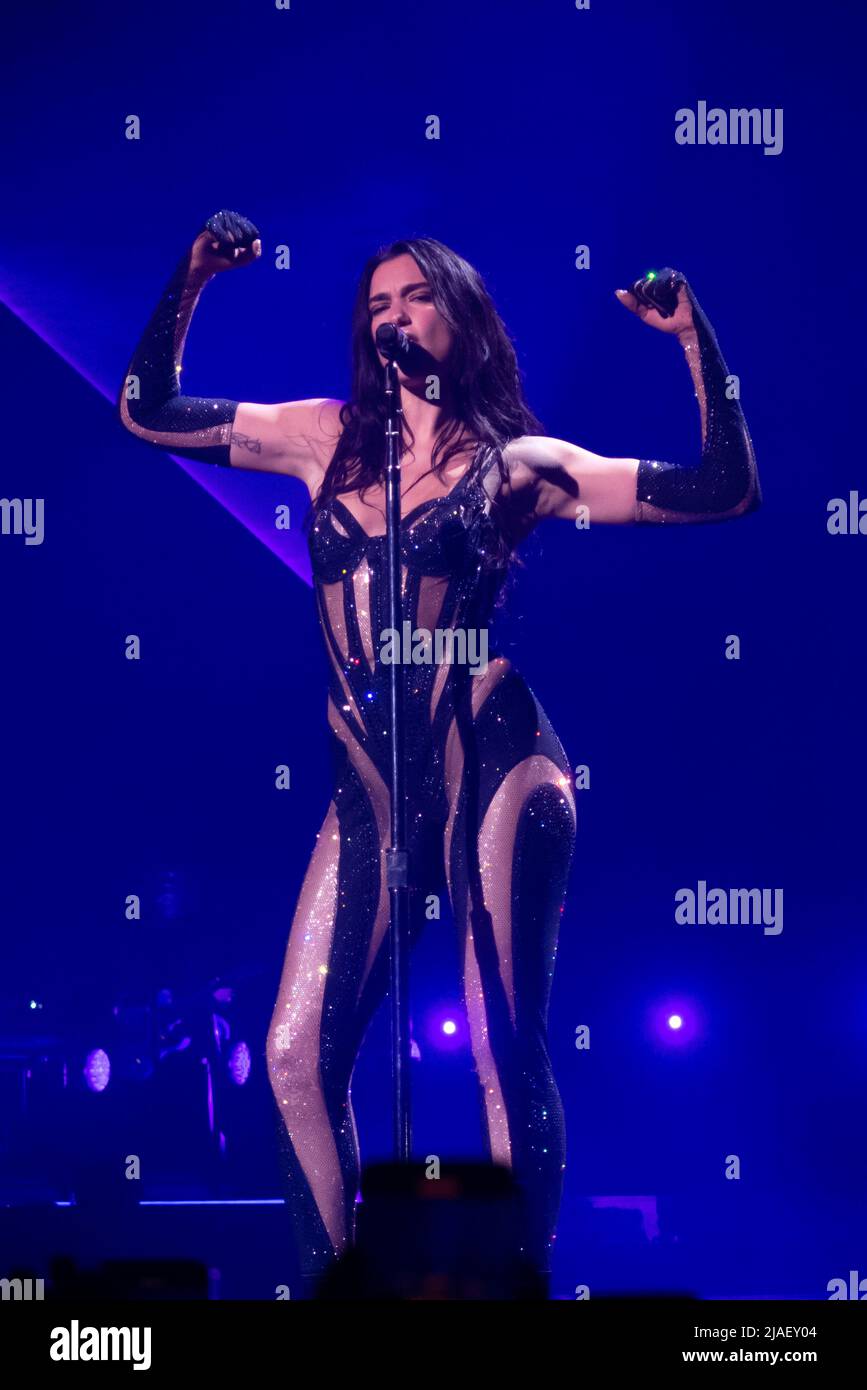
(156,777)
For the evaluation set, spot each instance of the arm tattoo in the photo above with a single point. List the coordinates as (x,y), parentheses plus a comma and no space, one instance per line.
(246,441)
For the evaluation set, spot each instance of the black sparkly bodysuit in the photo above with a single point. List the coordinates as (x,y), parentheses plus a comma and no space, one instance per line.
(491,809)
(489,789)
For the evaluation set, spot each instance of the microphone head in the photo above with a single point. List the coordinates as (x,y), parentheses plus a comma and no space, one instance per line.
(391,341)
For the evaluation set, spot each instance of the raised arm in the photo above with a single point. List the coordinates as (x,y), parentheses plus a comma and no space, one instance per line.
(293,437)
(551,477)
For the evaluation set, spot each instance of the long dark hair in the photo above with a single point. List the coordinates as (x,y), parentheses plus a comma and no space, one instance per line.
(489,406)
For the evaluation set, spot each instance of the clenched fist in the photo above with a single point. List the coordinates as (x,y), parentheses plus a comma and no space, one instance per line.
(228,240)
(661,298)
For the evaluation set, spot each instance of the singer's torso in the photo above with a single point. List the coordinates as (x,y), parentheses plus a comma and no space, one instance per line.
(448,591)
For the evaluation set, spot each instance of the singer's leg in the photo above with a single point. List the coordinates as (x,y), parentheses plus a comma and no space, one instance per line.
(510,840)
(334,976)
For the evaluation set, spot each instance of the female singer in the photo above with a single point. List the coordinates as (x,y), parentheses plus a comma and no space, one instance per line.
(490,801)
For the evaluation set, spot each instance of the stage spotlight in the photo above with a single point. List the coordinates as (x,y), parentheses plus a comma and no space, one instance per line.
(675,1022)
(97,1069)
(239,1063)
(445,1027)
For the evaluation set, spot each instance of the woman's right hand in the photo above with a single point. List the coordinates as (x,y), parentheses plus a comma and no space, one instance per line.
(227,240)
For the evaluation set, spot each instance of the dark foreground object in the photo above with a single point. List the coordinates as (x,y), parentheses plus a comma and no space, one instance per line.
(458,1235)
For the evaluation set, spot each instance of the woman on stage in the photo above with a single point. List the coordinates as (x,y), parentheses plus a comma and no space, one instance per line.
(490,797)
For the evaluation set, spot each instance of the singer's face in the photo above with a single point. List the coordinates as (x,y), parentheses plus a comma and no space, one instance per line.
(399,293)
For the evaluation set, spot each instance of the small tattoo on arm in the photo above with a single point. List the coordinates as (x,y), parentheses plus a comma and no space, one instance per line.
(246,441)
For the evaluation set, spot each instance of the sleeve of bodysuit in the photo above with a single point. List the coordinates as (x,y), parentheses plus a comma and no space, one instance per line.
(150,403)
(724,481)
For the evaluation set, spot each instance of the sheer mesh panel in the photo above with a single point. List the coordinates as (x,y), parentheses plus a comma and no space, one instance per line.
(489,809)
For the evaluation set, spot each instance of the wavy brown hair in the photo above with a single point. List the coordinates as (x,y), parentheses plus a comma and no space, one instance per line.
(489,405)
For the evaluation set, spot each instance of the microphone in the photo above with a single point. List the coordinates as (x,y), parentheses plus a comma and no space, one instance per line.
(393,343)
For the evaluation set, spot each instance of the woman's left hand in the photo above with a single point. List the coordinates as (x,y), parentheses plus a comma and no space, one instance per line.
(660,299)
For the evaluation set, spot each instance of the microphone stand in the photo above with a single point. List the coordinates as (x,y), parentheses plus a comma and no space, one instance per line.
(397,855)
